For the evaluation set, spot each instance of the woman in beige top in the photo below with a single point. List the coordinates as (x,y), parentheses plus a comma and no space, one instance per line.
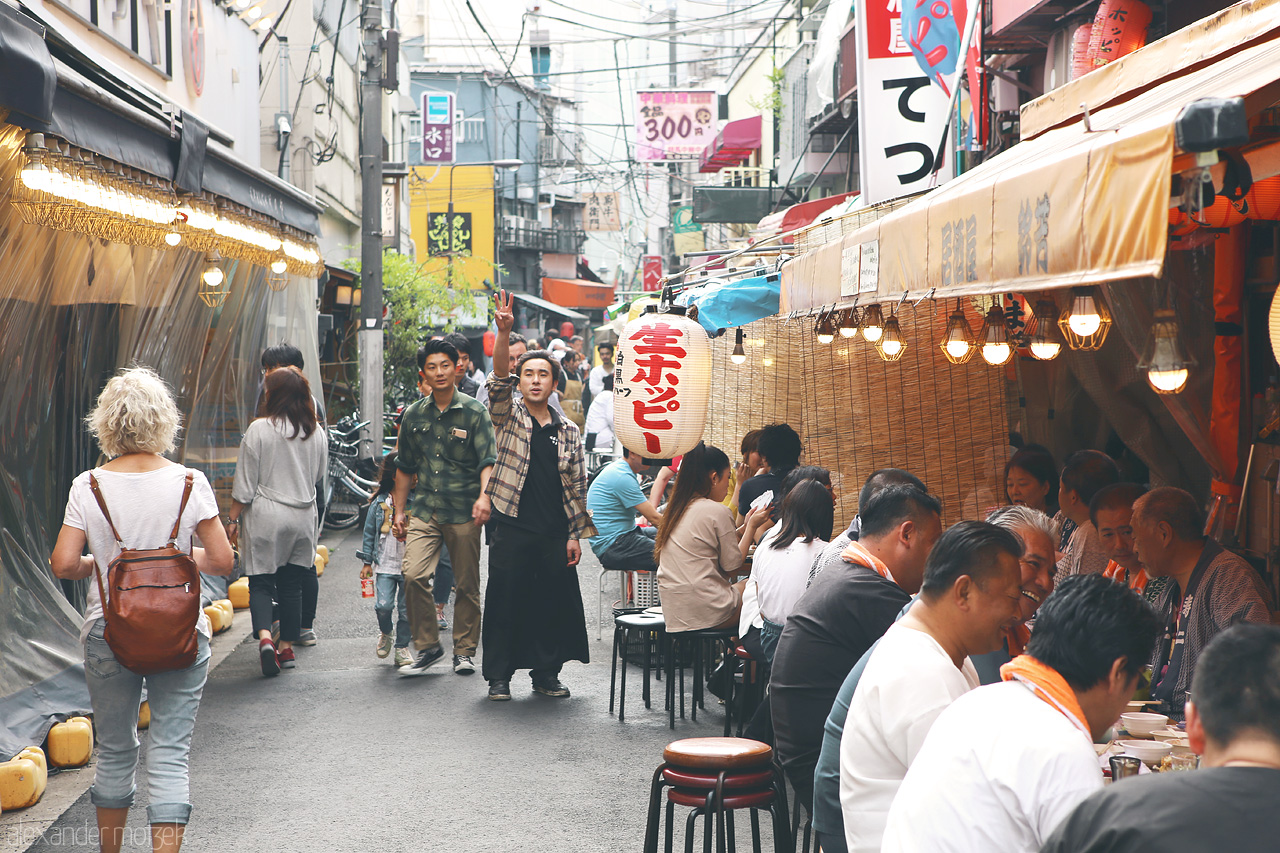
(697,547)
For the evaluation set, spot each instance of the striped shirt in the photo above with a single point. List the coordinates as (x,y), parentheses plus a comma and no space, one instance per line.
(513,426)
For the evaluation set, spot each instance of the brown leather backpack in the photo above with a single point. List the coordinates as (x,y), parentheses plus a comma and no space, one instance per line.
(154,605)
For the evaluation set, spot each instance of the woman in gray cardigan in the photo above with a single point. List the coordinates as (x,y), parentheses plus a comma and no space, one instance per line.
(282,456)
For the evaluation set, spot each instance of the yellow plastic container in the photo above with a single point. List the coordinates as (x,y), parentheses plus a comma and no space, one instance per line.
(144,715)
(228,611)
(238,593)
(71,743)
(323,551)
(23,779)
(217,619)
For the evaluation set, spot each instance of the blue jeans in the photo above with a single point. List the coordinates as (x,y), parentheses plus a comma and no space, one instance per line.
(389,592)
(116,694)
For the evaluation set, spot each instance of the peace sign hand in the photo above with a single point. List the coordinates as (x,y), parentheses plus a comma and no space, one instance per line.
(502,314)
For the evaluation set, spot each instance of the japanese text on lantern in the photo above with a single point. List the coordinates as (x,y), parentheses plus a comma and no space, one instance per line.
(658,359)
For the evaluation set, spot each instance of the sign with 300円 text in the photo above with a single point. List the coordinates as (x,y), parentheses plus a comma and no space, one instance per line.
(674,125)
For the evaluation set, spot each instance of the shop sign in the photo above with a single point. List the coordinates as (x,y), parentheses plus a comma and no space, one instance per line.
(449,234)
(674,124)
(601,213)
(900,113)
(438,143)
(651,265)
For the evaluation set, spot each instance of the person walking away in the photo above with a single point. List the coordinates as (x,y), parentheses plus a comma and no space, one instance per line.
(383,555)
(599,423)
(135,421)
(283,454)
(533,616)
(446,441)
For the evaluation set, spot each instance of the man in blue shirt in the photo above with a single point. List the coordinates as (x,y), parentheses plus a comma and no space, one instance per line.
(614,500)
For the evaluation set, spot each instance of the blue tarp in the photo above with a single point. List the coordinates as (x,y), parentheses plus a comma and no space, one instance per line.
(726,304)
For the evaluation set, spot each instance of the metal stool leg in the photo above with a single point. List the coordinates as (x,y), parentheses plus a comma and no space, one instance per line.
(648,663)
(622,688)
(600,605)
(613,672)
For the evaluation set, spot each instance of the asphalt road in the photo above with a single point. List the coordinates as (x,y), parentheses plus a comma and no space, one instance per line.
(341,754)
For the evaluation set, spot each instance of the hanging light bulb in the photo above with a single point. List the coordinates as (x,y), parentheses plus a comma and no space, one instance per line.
(1086,325)
(996,349)
(890,345)
(1164,358)
(173,238)
(213,274)
(957,344)
(849,323)
(873,323)
(279,265)
(739,355)
(1046,340)
(826,329)
(35,174)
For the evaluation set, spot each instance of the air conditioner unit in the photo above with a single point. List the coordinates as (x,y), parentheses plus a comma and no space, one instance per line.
(511,221)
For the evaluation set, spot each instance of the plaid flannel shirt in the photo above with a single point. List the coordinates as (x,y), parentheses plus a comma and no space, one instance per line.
(514,428)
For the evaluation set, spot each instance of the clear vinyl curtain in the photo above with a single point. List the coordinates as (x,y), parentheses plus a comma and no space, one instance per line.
(74,309)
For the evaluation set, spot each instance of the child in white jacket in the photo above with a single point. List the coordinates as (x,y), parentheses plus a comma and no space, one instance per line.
(383,554)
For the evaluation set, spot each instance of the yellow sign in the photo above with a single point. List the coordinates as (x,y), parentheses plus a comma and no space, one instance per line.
(467,241)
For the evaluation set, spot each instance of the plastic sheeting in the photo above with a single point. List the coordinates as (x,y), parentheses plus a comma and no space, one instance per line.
(73,309)
(728,304)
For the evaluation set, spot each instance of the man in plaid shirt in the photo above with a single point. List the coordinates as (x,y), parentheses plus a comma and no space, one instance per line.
(533,616)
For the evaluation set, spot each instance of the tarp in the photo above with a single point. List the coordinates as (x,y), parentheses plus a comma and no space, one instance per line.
(727,304)
(577,293)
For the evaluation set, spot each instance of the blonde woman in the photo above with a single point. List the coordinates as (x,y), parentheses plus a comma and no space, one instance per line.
(135,422)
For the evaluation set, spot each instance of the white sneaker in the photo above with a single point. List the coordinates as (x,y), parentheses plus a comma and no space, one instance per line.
(384,645)
(403,657)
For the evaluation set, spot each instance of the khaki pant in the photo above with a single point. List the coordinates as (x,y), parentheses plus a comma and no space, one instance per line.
(423,541)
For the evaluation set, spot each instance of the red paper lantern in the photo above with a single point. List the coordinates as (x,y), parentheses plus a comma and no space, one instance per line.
(1176,217)
(1264,199)
(1080,64)
(1119,28)
(663,384)
(1221,214)
(489,338)
(566,330)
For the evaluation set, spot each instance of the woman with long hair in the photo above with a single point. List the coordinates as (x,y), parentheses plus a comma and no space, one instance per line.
(282,456)
(697,547)
(135,422)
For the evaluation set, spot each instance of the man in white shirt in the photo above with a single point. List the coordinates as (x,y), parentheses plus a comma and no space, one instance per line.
(969,598)
(595,379)
(1004,764)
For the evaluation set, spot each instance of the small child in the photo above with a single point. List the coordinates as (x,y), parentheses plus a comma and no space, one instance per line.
(386,552)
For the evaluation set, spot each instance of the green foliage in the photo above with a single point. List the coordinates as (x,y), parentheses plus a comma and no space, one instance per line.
(772,102)
(419,303)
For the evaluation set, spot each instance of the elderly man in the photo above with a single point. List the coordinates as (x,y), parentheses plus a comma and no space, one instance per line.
(969,599)
(1004,764)
(846,609)
(1211,589)
(1229,804)
(1111,512)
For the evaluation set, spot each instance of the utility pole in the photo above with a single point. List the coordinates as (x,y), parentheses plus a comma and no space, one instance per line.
(673,168)
(370,338)
(284,127)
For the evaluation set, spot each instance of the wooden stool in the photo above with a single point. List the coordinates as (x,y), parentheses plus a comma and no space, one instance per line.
(680,644)
(651,628)
(714,777)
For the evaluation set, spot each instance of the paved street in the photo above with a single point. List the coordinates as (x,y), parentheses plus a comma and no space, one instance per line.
(343,755)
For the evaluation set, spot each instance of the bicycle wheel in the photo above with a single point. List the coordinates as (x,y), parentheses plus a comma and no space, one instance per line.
(344,511)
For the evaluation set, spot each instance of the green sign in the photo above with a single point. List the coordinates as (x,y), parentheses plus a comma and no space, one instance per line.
(682,221)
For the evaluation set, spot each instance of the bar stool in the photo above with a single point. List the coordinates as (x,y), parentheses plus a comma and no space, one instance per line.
(650,627)
(747,685)
(678,646)
(715,777)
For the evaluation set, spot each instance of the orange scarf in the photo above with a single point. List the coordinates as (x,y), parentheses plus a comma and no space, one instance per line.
(1049,686)
(857,554)
(1017,637)
(1137,580)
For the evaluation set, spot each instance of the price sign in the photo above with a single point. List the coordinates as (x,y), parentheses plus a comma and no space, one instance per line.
(674,124)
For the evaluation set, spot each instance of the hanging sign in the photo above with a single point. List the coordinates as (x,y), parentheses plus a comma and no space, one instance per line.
(900,112)
(652,273)
(438,147)
(661,385)
(674,125)
(601,212)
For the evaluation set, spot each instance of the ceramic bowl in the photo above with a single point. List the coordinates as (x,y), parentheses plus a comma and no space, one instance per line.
(1143,724)
(1149,751)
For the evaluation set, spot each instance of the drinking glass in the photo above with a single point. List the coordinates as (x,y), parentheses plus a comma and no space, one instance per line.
(1124,766)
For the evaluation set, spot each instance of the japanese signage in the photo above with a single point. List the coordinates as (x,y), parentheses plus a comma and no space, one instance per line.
(449,234)
(900,113)
(662,383)
(438,144)
(651,266)
(601,213)
(674,125)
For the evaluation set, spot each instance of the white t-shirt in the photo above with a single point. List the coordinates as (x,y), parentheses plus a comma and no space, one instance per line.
(143,507)
(782,576)
(908,681)
(999,770)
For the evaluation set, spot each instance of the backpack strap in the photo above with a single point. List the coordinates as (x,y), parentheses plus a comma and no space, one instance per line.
(186,493)
(102,505)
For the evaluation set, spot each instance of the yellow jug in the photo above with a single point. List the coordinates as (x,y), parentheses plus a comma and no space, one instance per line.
(238,593)
(227,610)
(323,551)
(22,779)
(71,743)
(144,714)
(216,618)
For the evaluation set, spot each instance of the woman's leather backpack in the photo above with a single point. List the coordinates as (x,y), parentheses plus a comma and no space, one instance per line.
(154,604)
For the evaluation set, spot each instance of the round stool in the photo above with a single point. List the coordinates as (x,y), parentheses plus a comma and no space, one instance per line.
(650,628)
(690,643)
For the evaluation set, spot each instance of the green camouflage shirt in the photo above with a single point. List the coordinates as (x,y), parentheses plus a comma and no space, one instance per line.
(447,450)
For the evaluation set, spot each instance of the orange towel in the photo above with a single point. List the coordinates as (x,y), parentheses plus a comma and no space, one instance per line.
(857,554)
(1017,637)
(1049,686)
(1137,580)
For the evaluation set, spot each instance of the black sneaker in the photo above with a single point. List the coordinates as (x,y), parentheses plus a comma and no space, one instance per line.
(551,687)
(499,691)
(463,665)
(425,660)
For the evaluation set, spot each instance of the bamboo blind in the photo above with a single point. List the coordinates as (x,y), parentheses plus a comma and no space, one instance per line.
(855,413)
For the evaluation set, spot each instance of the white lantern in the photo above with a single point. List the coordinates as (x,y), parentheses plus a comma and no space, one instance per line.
(662,384)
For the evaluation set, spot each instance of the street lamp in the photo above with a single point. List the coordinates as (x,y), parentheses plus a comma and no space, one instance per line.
(510,164)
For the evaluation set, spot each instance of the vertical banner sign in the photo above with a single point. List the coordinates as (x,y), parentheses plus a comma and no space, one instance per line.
(900,112)
(437,128)
(601,213)
(652,272)
(449,235)
(674,125)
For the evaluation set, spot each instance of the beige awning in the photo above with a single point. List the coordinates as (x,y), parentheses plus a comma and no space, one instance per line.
(1083,202)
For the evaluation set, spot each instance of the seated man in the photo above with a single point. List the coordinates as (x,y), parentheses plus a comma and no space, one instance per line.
(1004,764)
(873,486)
(1084,474)
(1111,512)
(968,600)
(1210,590)
(1229,804)
(846,609)
(613,501)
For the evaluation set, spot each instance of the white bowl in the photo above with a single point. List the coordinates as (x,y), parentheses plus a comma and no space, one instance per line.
(1149,751)
(1143,724)
(1175,738)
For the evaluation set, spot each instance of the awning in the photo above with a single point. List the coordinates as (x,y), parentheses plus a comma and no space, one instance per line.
(550,307)
(1085,202)
(798,215)
(734,143)
(577,293)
